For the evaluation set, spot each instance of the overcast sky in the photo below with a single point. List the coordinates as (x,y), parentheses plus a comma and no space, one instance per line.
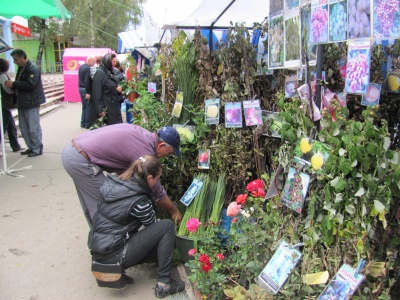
(168,11)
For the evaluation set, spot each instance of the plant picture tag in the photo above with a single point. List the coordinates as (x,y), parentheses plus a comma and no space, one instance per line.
(316,278)
(271,124)
(358,67)
(279,267)
(211,111)
(343,284)
(295,190)
(312,153)
(204,159)
(191,192)
(319,25)
(151,87)
(252,112)
(291,86)
(233,115)
(177,109)
(186,132)
(373,95)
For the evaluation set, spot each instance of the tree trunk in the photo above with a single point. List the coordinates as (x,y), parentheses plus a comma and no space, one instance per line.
(41,42)
(91,24)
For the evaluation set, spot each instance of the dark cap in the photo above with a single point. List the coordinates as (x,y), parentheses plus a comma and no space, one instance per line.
(169,135)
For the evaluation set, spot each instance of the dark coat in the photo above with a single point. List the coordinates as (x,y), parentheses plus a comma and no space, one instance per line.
(29,86)
(105,95)
(113,224)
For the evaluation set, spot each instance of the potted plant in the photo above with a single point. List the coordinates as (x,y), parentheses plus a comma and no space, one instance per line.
(129,86)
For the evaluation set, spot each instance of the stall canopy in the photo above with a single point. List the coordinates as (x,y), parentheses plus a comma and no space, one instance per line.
(73,58)
(30,8)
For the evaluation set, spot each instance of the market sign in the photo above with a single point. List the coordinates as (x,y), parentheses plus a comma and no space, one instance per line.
(21,30)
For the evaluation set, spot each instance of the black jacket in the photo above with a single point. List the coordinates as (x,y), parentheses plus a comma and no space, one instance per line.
(105,95)
(29,86)
(84,79)
(113,224)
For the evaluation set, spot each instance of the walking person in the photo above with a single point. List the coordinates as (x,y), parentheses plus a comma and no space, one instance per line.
(113,149)
(30,95)
(85,89)
(106,91)
(125,206)
(8,101)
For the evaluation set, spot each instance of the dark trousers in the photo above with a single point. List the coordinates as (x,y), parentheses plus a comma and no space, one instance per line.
(154,243)
(9,126)
(87,109)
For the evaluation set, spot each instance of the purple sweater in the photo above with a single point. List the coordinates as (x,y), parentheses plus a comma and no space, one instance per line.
(115,147)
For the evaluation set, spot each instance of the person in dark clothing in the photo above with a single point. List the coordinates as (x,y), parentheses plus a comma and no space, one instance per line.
(125,207)
(8,119)
(119,74)
(105,91)
(30,94)
(85,89)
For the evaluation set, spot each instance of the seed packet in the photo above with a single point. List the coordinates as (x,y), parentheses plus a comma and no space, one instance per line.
(279,267)
(343,284)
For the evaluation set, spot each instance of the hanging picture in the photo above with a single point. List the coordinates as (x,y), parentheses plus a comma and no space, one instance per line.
(337,21)
(295,190)
(279,267)
(271,124)
(359,19)
(177,109)
(252,112)
(276,43)
(343,284)
(386,19)
(211,111)
(373,95)
(291,85)
(275,7)
(186,132)
(151,87)
(204,159)
(262,56)
(358,67)
(191,192)
(319,23)
(305,26)
(393,82)
(292,39)
(233,114)
(290,4)
(312,153)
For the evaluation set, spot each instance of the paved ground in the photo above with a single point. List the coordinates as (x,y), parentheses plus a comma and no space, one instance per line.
(43,252)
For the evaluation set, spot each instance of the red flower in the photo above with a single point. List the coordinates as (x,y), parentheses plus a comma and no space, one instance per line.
(192,252)
(204,258)
(258,193)
(241,199)
(206,266)
(255,184)
(220,256)
(234,220)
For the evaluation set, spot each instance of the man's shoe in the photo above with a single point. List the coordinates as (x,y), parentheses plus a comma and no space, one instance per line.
(27,151)
(19,149)
(175,286)
(33,154)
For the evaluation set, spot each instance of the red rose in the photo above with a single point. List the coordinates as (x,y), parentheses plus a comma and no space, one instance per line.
(220,256)
(206,266)
(258,193)
(255,184)
(204,258)
(241,199)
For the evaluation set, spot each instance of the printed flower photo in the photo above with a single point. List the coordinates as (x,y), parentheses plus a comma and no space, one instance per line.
(311,152)
(295,190)
(373,95)
(233,115)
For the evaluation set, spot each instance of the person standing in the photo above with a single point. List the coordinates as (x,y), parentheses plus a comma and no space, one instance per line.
(7,104)
(106,91)
(30,95)
(85,89)
(112,149)
(125,206)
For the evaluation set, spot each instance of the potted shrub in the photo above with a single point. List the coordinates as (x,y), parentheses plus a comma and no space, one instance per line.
(129,86)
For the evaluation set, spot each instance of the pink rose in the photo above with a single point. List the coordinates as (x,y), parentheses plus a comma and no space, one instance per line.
(255,184)
(192,224)
(241,199)
(220,256)
(192,252)
(233,209)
